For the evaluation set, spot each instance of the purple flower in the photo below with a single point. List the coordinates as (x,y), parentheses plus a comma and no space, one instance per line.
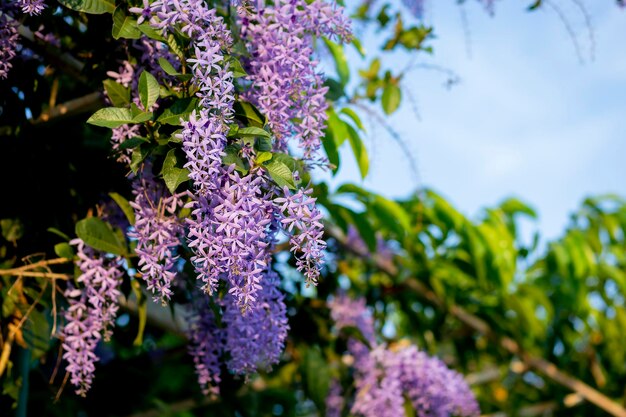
(335,402)
(285,84)
(229,236)
(8,40)
(157,230)
(205,344)
(31,7)
(307,244)
(120,135)
(385,376)
(256,338)
(347,312)
(91,313)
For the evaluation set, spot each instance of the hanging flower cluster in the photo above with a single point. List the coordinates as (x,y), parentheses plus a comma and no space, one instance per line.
(158,231)
(285,83)
(386,375)
(8,39)
(91,313)
(236,216)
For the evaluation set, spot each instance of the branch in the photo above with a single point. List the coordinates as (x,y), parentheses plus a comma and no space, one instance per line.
(89,103)
(62,60)
(480,326)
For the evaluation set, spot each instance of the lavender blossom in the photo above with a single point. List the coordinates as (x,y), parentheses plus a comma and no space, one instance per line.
(347,312)
(120,135)
(92,312)
(229,236)
(432,388)
(157,230)
(205,344)
(384,375)
(378,384)
(335,402)
(285,84)
(32,7)
(8,40)
(306,240)
(256,338)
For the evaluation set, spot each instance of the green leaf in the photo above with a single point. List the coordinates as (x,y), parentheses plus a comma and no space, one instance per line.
(58,233)
(90,6)
(236,68)
(138,156)
(514,206)
(167,67)
(392,214)
(263,144)
(231,156)
(181,109)
(99,235)
(341,63)
(170,70)
(124,26)
(262,157)
(280,173)
(12,229)
(355,117)
(359,150)
(317,377)
(117,93)
(133,142)
(148,89)
(125,206)
(111,117)
(175,46)
(147,29)
(253,131)
(331,150)
(359,47)
(248,114)
(64,250)
(173,175)
(391,98)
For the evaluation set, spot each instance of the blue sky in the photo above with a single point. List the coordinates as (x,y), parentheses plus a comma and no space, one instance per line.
(528,119)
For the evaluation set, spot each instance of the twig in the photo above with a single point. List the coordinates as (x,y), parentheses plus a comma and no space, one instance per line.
(568,28)
(482,327)
(88,103)
(51,275)
(62,60)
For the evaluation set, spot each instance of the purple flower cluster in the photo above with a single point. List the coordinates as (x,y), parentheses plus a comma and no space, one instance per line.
(385,375)
(231,240)
(8,40)
(157,230)
(91,313)
(347,312)
(257,338)
(285,84)
(251,340)
(416,7)
(205,344)
(31,7)
(307,244)
(335,402)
